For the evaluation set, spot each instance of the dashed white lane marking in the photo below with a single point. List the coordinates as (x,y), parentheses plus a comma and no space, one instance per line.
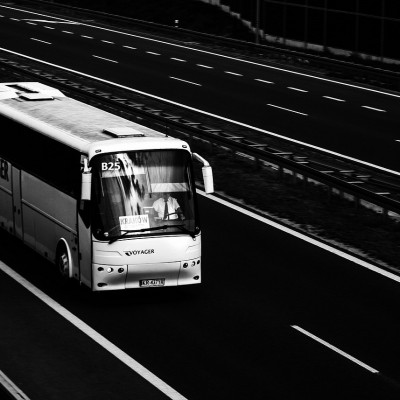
(333,98)
(14,19)
(205,66)
(184,80)
(41,41)
(31,23)
(68,32)
(12,388)
(129,47)
(87,37)
(48,27)
(297,89)
(287,109)
(105,59)
(94,335)
(177,59)
(334,348)
(153,53)
(107,41)
(233,73)
(264,81)
(373,108)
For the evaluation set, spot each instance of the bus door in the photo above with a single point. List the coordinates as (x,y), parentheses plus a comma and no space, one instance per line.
(85,247)
(16,198)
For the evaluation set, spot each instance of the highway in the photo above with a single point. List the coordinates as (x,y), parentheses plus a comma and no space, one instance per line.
(265,323)
(356,122)
(278,315)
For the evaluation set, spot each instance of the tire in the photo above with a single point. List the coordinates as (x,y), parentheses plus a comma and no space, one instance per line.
(63,262)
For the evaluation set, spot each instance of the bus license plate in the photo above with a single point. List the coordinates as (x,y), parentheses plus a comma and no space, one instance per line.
(152,282)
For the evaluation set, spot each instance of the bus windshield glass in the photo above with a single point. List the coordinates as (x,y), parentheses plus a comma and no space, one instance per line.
(143,193)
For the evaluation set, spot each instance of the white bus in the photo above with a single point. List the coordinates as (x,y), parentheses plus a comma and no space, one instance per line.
(110,202)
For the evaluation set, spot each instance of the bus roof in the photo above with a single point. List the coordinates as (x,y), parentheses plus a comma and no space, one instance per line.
(72,122)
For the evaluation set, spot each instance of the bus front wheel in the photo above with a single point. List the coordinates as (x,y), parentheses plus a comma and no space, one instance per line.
(63,262)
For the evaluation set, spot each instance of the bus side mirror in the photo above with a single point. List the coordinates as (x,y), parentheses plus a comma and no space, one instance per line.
(207,174)
(86,184)
(86,188)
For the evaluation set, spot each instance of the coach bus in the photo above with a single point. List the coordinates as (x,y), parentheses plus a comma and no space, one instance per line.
(111,203)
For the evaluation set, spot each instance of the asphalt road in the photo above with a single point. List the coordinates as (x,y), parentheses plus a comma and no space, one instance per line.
(276,317)
(356,122)
(245,333)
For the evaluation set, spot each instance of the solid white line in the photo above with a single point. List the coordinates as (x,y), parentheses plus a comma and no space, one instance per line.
(204,66)
(105,59)
(333,98)
(337,350)
(41,41)
(183,80)
(94,335)
(233,73)
(264,81)
(304,237)
(373,108)
(177,59)
(12,388)
(311,146)
(287,109)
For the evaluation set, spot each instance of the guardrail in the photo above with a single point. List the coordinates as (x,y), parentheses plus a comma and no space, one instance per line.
(337,67)
(365,186)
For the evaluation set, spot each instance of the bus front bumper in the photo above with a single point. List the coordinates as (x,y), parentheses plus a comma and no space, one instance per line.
(111,277)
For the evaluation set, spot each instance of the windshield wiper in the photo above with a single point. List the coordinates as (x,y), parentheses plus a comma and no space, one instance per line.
(156,228)
(183,229)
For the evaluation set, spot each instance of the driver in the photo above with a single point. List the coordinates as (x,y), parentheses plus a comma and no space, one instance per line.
(168,208)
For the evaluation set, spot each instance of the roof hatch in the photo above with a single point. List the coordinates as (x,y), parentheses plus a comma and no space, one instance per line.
(123,131)
(29,91)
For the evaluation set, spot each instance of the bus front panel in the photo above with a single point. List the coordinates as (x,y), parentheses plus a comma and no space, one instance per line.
(147,262)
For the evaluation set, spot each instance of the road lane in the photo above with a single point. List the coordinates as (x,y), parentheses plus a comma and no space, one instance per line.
(234,89)
(233,338)
(51,359)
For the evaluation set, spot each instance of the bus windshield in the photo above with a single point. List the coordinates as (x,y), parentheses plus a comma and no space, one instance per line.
(143,193)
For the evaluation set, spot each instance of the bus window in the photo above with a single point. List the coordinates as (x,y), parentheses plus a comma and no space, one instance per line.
(127,189)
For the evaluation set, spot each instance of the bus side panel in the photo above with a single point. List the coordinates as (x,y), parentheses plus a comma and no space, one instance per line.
(6,202)
(49,215)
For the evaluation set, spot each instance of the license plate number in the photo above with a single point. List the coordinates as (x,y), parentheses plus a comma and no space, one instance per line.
(152,282)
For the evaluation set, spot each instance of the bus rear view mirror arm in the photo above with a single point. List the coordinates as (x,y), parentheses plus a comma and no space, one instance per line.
(207,174)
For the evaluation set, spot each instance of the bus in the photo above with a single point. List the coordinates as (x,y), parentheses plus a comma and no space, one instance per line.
(110,202)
